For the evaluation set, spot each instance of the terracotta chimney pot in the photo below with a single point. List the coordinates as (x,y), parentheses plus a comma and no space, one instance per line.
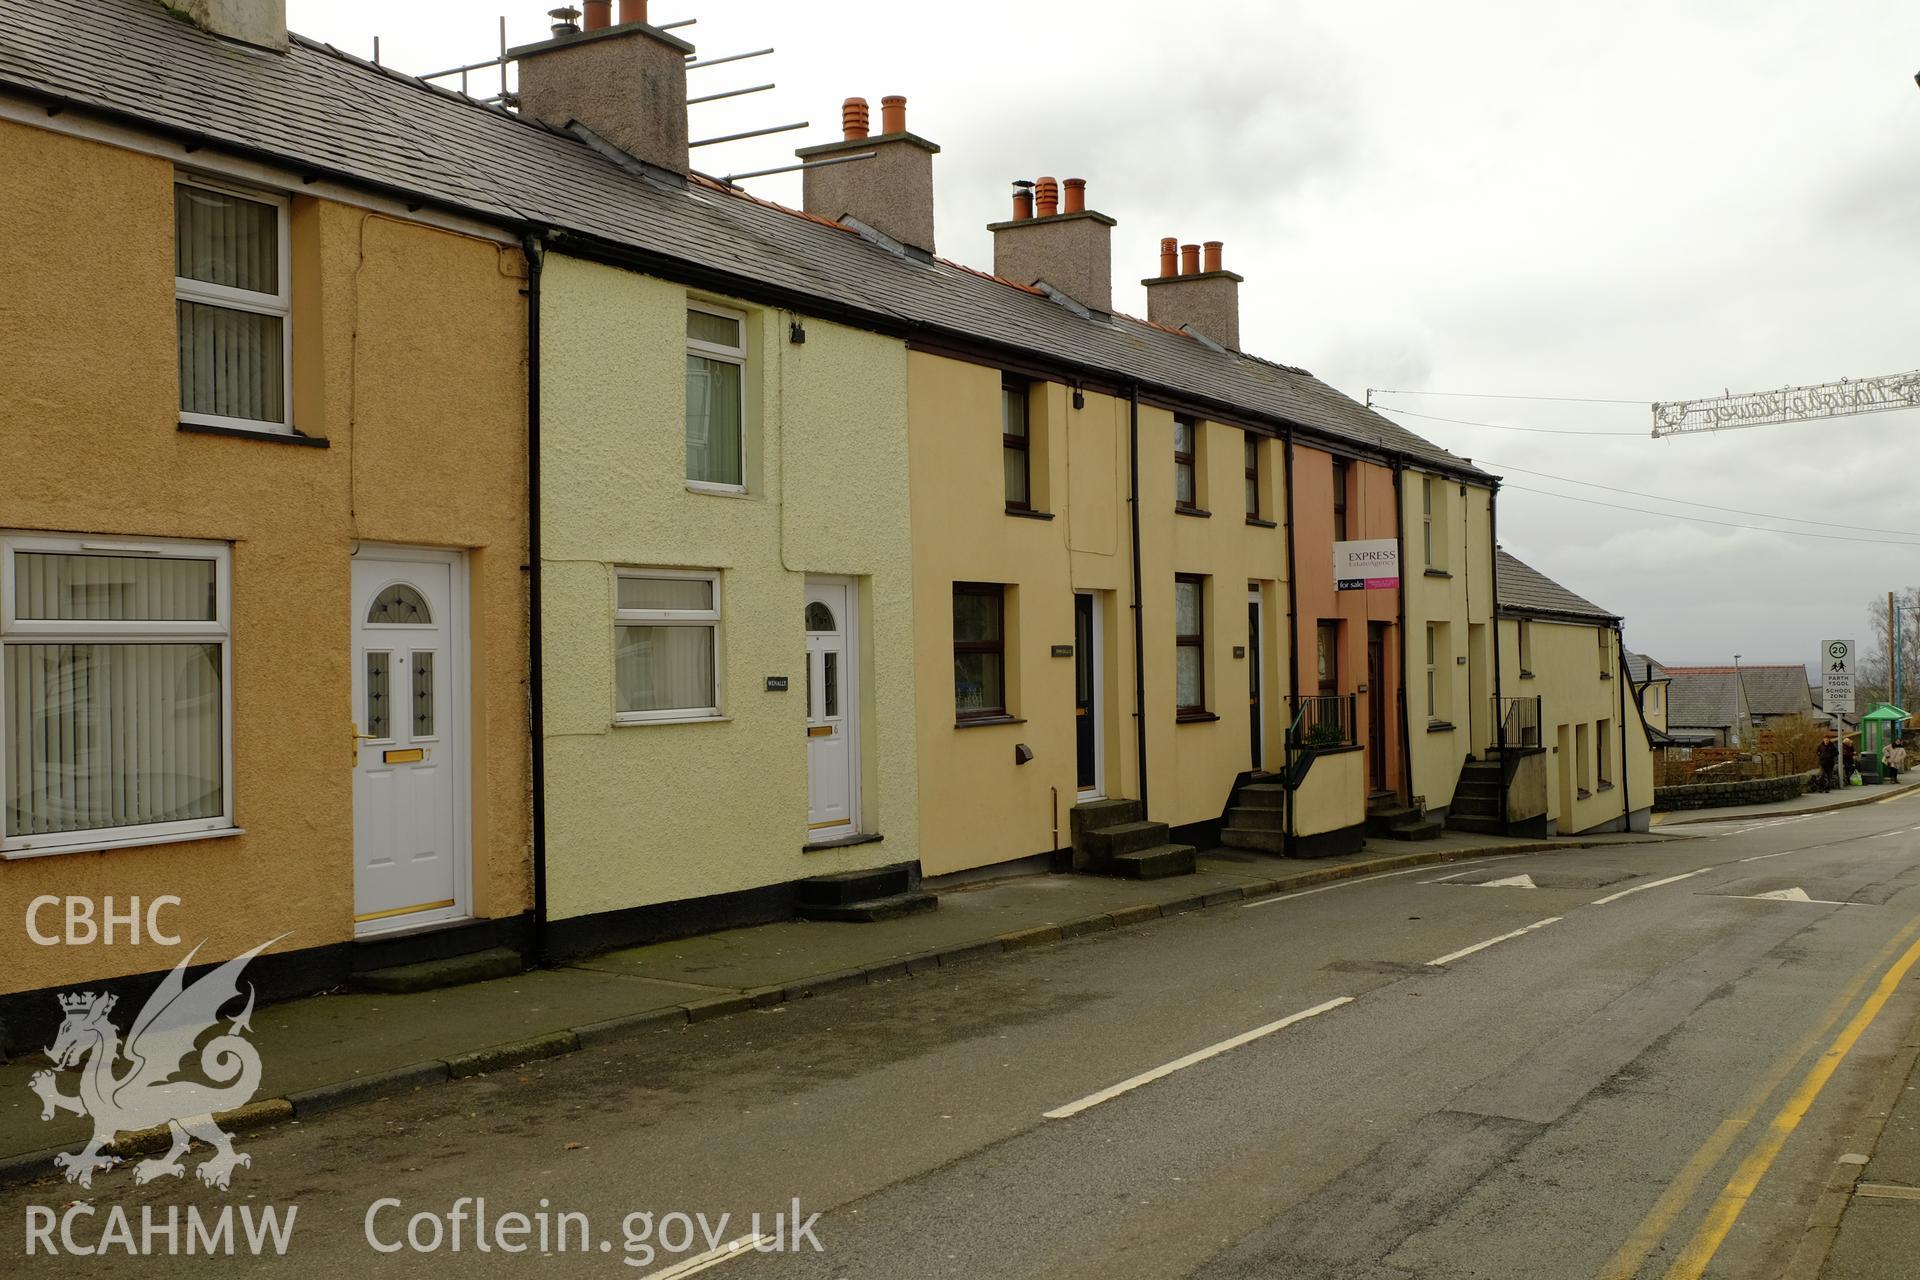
(1189,259)
(599,14)
(853,118)
(1213,255)
(633,11)
(1076,195)
(1046,197)
(893,114)
(1169,257)
(1023,202)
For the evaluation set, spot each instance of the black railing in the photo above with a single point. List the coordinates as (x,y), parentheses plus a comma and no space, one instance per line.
(1516,722)
(1322,722)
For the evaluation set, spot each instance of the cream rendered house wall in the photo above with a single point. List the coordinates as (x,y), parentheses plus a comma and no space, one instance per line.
(1458,595)
(658,813)
(1566,676)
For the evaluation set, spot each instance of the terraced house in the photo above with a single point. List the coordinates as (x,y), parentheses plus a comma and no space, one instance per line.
(263,521)
(513,540)
(1579,755)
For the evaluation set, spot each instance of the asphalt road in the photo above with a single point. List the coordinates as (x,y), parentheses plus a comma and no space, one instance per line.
(1639,1077)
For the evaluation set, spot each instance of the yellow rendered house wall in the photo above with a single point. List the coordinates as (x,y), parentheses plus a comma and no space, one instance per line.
(978,806)
(409,346)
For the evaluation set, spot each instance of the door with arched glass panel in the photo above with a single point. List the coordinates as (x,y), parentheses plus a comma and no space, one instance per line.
(833,704)
(409,740)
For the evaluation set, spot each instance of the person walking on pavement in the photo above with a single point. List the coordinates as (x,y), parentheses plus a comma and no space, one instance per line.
(1893,760)
(1828,756)
(1847,754)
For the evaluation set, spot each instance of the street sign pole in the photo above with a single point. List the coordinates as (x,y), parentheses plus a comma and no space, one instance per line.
(1837,695)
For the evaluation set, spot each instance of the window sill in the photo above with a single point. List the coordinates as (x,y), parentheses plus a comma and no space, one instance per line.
(1583,794)
(1606,675)
(718,490)
(131,842)
(1526,675)
(1605,786)
(248,433)
(980,722)
(843,842)
(1439,726)
(1258,523)
(621,723)
(1195,717)
(1198,512)
(1438,573)
(1028,513)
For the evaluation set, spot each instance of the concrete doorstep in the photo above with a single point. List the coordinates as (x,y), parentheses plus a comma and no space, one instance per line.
(337,1050)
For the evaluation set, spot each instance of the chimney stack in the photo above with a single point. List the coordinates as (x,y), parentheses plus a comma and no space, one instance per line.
(892,192)
(627,83)
(1204,296)
(1070,248)
(262,23)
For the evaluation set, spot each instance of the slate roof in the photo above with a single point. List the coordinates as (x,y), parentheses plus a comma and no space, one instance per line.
(1639,665)
(1702,698)
(1777,690)
(1522,589)
(317,109)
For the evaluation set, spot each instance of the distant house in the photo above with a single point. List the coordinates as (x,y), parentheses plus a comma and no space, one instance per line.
(1777,692)
(1650,684)
(1707,707)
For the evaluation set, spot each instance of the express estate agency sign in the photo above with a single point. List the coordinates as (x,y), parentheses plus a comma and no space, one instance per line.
(1371,564)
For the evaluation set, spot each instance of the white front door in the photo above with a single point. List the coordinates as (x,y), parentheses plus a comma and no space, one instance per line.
(410,746)
(833,704)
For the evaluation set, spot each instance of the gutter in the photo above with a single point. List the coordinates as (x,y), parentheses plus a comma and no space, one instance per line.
(1621,677)
(535,253)
(1139,626)
(1494,614)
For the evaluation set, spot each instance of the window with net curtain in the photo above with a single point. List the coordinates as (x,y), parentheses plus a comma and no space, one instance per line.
(716,367)
(115,720)
(665,646)
(1190,661)
(232,304)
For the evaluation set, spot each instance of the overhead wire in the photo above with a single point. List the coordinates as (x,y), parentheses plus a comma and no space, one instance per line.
(1730,524)
(1503,426)
(1488,395)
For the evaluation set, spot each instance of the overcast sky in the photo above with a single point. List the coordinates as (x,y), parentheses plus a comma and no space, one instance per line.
(1636,201)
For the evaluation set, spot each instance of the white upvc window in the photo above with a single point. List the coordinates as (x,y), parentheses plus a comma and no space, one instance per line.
(116,713)
(716,398)
(233,304)
(666,645)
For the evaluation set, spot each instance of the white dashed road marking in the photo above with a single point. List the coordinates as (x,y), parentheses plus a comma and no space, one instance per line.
(1464,952)
(1652,884)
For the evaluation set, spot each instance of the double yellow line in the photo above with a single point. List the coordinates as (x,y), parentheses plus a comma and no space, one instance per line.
(1733,1197)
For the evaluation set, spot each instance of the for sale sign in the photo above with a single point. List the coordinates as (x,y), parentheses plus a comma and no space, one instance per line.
(1370,564)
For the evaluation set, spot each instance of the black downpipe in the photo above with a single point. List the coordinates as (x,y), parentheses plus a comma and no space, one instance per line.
(1293,638)
(1493,606)
(1621,676)
(1139,625)
(1400,628)
(536,699)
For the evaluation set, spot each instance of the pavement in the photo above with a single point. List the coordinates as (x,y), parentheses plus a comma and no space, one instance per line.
(1867,1225)
(345,1048)
(1628,1060)
(1810,802)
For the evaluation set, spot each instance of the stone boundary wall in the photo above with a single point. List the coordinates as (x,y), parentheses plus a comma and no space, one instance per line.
(1715,795)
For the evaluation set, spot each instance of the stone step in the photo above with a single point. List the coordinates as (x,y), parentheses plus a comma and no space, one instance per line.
(1257,819)
(1090,814)
(870,909)
(1252,838)
(1156,863)
(1477,825)
(431,975)
(1426,829)
(1477,787)
(1382,821)
(856,886)
(1475,806)
(1106,843)
(1264,795)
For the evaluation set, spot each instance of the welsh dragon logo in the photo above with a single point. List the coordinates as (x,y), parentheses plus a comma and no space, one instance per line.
(147,1093)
